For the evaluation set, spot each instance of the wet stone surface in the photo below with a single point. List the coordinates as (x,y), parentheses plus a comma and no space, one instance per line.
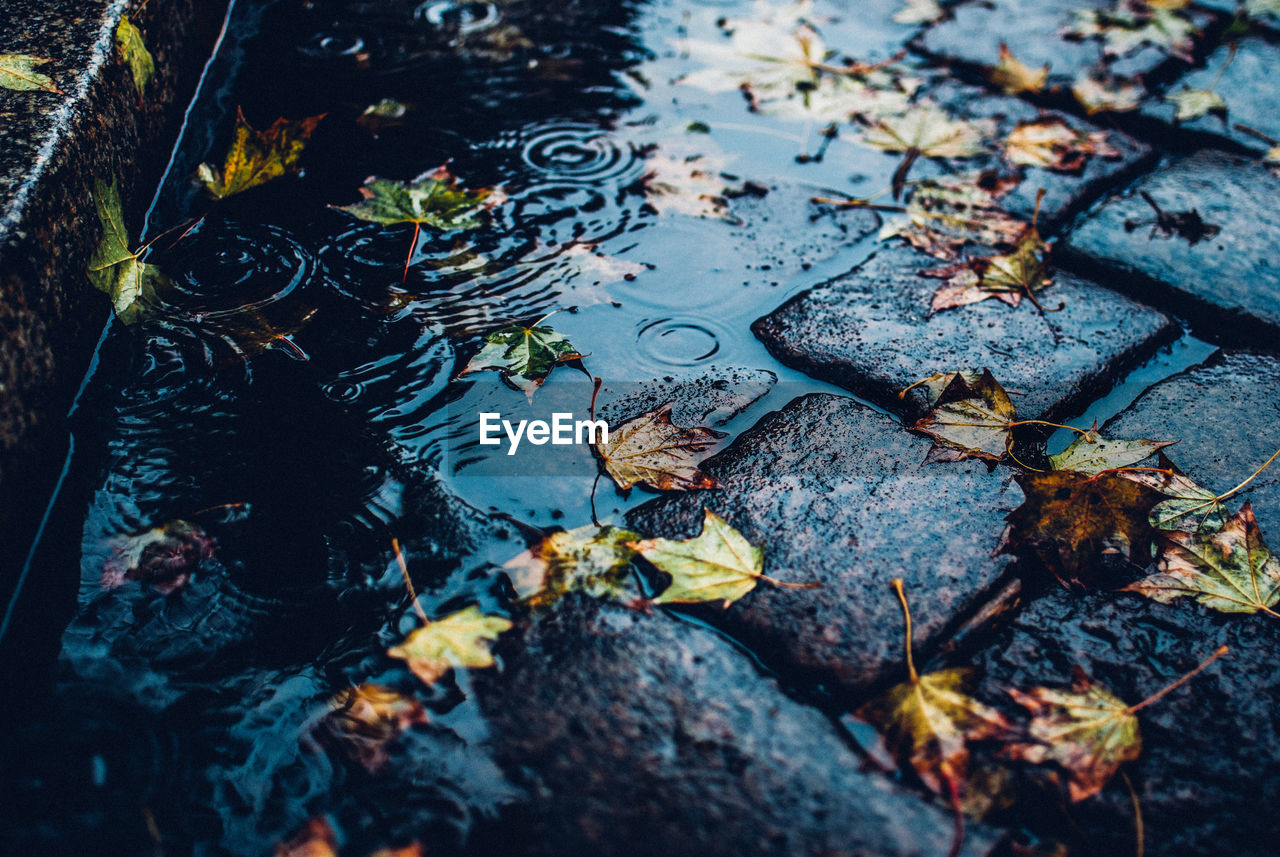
(1224,415)
(1243,82)
(840,495)
(870,331)
(1208,761)
(975,30)
(644,734)
(1226,282)
(711,397)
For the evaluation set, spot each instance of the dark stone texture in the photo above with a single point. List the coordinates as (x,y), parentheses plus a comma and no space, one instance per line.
(975,29)
(1245,85)
(710,397)
(870,331)
(1227,282)
(1209,764)
(1223,414)
(840,494)
(55,146)
(643,734)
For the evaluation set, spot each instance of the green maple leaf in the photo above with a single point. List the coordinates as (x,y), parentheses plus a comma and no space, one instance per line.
(718,564)
(1194,103)
(17,72)
(1091,453)
(114,268)
(524,355)
(460,639)
(134,53)
(256,157)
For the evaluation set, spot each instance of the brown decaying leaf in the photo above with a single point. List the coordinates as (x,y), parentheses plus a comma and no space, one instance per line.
(1098,95)
(970,419)
(256,157)
(1014,76)
(364,719)
(1070,520)
(650,450)
(1008,277)
(315,839)
(1051,143)
(944,214)
(164,557)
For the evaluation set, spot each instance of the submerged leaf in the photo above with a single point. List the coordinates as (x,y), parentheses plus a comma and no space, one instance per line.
(1070,520)
(1090,453)
(1194,103)
(1086,730)
(1231,570)
(1097,95)
(134,53)
(433,199)
(460,639)
(17,71)
(690,185)
(768,59)
(946,213)
(919,12)
(589,559)
(931,132)
(651,450)
(114,268)
(1051,143)
(363,720)
(970,419)
(1131,24)
(257,157)
(1014,76)
(718,564)
(164,557)
(524,355)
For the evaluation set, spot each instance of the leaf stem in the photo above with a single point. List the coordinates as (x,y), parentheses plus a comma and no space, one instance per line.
(912,675)
(786,585)
(413,247)
(408,584)
(1256,473)
(1139,833)
(1159,694)
(1044,423)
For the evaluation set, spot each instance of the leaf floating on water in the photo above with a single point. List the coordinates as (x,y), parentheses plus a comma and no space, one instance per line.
(387,113)
(942,215)
(919,12)
(1194,103)
(366,718)
(1232,570)
(524,355)
(1132,24)
(1016,77)
(651,450)
(433,199)
(460,639)
(164,557)
(1098,95)
(1052,144)
(1086,730)
(1091,454)
(588,559)
(690,185)
(931,132)
(114,268)
(970,419)
(133,53)
(257,157)
(718,564)
(17,72)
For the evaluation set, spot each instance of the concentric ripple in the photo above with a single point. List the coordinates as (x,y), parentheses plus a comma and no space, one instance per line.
(465,17)
(678,342)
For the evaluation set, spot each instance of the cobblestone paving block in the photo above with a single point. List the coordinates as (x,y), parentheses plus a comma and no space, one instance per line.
(1209,759)
(1224,415)
(840,495)
(870,331)
(1231,273)
(1245,85)
(642,734)
(975,30)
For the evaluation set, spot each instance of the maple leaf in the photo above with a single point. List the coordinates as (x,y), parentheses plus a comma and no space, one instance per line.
(919,12)
(1194,103)
(114,268)
(1187,225)
(1086,730)
(1051,143)
(1009,277)
(769,59)
(944,214)
(1014,76)
(164,557)
(256,157)
(134,53)
(929,721)
(524,355)
(365,718)
(1189,507)
(1131,24)
(315,839)
(651,450)
(690,185)
(1097,95)
(969,419)
(837,98)
(1091,454)
(718,564)
(1070,519)
(589,559)
(17,71)
(929,131)
(460,639)
(433,200)
(1231,570)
